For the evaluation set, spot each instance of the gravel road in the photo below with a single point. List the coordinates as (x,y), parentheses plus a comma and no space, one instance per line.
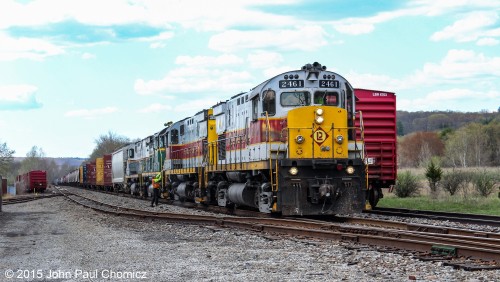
(55,240)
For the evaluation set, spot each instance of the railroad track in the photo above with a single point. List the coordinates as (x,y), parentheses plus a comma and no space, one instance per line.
(434,244)
(456,217)
(28,198)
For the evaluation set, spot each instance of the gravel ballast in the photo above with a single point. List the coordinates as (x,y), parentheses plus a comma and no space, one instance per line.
(62,241)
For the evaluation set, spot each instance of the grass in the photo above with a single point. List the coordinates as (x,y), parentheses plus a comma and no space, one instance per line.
(490,205)
(467,201)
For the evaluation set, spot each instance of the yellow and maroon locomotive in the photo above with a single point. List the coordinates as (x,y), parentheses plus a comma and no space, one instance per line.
(287,146)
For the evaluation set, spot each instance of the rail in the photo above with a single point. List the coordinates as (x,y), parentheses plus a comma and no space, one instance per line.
(449,246)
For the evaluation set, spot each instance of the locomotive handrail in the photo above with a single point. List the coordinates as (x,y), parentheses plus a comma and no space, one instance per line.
(235,143)
(362,129)
(365,157)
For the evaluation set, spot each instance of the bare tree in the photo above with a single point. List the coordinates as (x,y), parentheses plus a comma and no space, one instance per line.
(35,160)
(416,149)
(474,145)
(107,144)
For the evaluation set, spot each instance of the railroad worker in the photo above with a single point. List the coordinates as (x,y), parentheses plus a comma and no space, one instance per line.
(156,189)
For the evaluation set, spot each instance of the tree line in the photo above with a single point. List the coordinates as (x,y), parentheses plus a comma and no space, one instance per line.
(37,160)
(409,122)
(472,145)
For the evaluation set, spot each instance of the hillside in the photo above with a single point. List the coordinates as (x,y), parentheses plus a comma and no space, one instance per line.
(409,122)
(70,162)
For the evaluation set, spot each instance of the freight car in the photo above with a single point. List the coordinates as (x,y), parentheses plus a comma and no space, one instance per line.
(33,181)
(301,143)
(378,110)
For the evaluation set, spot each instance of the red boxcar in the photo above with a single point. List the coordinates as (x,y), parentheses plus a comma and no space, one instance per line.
(33,181)
(91,175)
(378,109)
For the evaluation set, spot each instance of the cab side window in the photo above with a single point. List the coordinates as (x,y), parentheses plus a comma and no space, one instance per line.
(255,108)
(269,102)
(326,98)
(174,139)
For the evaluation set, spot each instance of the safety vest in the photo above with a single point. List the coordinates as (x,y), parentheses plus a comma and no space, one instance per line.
(156,181)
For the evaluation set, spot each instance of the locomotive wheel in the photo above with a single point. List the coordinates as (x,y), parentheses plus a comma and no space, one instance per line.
(374,196)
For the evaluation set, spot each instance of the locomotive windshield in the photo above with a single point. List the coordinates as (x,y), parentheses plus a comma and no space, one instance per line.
(290,99)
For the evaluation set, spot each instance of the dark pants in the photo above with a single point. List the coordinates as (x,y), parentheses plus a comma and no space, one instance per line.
(156,196)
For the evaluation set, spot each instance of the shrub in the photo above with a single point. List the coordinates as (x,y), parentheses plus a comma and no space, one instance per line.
(456,180)
(484,183)
(433,173)
(407,185)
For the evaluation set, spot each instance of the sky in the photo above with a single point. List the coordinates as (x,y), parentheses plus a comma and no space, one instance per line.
(73,70)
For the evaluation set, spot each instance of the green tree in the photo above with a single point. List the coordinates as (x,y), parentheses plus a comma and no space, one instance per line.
(5,159)
(107,144)
(433,173)
(400,128)
(407,185)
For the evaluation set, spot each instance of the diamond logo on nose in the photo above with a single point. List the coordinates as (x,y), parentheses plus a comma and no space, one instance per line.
(319,136)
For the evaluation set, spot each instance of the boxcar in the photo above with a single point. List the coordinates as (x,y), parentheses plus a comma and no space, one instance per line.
(103,172)
(33,181)
(91,175)
(378,109)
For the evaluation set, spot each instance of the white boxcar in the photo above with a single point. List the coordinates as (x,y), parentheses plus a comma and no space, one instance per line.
(118,169)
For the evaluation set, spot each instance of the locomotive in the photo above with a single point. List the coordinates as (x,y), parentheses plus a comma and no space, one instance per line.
(292,145)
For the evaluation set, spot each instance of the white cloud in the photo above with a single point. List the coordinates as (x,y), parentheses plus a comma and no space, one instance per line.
(373,81)
(488,41)
(26,48)
(159,40)
(209,61)
(196,80)
(357,26)
(155,108)
(469,28)
(88,56)
(436,8)
(16,93)
(18,97)
(462,76)
(264,59)
(194,106)
(428,8)
(452,99)
(283,39)
(91,113)
(202,15)
(457,66)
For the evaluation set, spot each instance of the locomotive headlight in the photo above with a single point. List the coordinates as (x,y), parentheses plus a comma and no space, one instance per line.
(319,120)
(319,112)
(349,170)
(293,170)
(340,139)
(299,139)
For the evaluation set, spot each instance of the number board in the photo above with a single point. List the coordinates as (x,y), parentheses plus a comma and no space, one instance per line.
(291,83)
(329,84)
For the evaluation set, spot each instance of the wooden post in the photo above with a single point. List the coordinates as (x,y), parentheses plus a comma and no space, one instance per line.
(1,193)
